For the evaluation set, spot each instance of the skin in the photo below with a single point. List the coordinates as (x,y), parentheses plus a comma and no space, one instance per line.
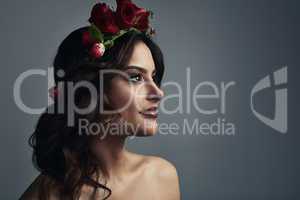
(130,176)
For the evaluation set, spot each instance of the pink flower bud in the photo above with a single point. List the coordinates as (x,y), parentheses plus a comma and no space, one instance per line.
(97,50)
(53,92)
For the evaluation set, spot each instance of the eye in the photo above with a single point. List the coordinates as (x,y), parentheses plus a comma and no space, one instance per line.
(155,79)
(135,78)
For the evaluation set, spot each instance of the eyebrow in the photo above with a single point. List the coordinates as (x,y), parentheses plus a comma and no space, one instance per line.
(143,70)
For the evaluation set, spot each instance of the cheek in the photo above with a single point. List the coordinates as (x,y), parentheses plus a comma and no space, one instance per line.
(124,98)
(122,94)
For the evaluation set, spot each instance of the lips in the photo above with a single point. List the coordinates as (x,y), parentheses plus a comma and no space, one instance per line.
(150,112)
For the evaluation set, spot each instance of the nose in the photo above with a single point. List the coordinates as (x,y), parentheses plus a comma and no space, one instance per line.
(155,93)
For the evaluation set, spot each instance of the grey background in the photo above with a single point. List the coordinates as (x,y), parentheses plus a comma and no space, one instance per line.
(233,40)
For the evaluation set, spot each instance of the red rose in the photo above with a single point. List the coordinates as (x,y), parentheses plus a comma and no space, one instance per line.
(122,1)
(129,15)
(103,17)
(142,20)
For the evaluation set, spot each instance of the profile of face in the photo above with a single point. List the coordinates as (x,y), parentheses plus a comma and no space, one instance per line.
(137,96)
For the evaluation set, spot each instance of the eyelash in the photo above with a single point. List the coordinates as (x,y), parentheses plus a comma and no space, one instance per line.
(132,76)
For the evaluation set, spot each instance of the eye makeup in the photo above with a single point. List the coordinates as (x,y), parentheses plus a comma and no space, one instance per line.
(138,74)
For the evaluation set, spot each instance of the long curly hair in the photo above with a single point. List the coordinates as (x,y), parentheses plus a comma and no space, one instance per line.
(59,151)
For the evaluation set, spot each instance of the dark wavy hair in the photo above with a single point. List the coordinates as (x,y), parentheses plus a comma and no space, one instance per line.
(59,151)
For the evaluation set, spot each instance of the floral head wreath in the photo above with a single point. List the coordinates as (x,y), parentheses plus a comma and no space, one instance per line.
(107,25)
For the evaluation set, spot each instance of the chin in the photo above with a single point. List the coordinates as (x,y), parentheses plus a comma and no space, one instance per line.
(149,130)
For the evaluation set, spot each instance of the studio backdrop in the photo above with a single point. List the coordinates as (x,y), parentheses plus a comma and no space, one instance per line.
(229,117)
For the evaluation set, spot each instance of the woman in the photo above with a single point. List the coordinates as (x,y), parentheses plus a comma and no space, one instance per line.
(79,161)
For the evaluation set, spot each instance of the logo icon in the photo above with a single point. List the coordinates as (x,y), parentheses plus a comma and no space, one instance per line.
(280,78)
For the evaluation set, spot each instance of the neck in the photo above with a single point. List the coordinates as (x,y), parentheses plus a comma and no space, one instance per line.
(112,154)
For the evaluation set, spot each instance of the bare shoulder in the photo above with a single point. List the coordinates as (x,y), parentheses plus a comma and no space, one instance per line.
(154,162)
(160,166)
(164,176)
(32,192)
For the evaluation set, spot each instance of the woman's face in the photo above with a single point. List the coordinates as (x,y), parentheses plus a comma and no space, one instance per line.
(137,97)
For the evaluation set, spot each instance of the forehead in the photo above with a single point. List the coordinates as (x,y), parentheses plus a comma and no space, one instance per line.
(142,57)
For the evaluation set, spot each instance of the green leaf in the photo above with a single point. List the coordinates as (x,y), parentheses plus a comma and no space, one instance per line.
(108,44)
(96,33)
(122,32)
(108,37)
(134,29)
